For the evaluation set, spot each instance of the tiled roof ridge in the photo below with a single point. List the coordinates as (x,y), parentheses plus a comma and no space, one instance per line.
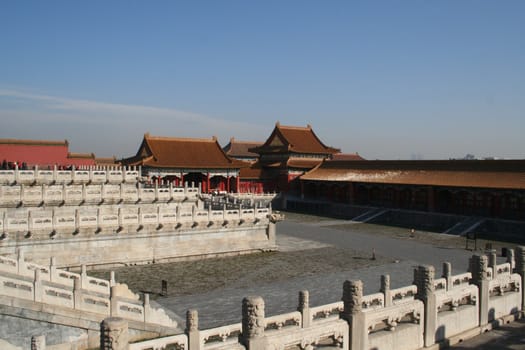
(294,127)
(434,165)
(186,139)
(32,142)
(234,140)
(308,128)
(80,155)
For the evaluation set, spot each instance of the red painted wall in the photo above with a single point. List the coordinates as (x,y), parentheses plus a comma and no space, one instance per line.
(41,155)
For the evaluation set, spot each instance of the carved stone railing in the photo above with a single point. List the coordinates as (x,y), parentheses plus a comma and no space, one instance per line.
(326,312)
(278,322)
(373,301)
(389,318)
(179,342)
(405,318)
(92,194)
(52,286)
(220,337)
(403,294)
(78,176)
(38,221)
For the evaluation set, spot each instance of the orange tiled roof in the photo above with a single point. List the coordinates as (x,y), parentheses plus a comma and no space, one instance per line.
(251,173)
(294,139)
(81,155)
(347,156)
(106,160)
(303,163)
(505,174)
(189,153)
(237,148)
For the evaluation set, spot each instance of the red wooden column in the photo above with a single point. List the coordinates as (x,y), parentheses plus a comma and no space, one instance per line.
(228,183)
(237,183)
(207,182)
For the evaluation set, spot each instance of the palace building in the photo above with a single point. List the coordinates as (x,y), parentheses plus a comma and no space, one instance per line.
(181,160)
(288,152)
(241,150)
(487,188)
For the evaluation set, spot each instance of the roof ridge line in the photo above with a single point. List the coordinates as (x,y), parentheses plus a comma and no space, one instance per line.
(170,138)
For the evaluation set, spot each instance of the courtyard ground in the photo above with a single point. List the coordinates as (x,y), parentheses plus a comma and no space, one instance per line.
(316,254)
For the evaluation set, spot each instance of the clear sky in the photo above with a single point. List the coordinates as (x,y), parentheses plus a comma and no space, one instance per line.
(388,79)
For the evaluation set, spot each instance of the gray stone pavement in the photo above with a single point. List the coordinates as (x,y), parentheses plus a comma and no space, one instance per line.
(507,337)
(223,306)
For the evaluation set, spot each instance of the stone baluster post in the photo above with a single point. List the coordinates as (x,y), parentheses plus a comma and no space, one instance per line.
(385,289)
(304,308)
(447,274)
(77,221)
(84,277)
(17,174)
(114,334)
(38,342)
(112,280)
(424,280)
(147,308)
(352,313)
(99,221)
(493,263)
(52,268)
(29,223)
(121,192)
(113,302)
(54,174)
(479,268)
(84,192)
(77,293)
(44,194)
(21,262)
(53,223)
(520,269)
(253,323)
(102,193)
(192,330)
(38,287)
(64,194)
(43,198)
(22,194)
(511,259)
(170,185)
(4,233)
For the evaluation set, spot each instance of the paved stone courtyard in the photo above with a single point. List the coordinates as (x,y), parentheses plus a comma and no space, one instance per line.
(316,254)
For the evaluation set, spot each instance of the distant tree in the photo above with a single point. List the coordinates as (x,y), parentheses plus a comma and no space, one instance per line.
(469,157)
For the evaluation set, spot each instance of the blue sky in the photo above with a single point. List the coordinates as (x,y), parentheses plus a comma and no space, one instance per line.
(388,79)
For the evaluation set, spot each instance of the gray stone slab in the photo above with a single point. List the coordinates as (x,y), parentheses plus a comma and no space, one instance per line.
(223,306)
